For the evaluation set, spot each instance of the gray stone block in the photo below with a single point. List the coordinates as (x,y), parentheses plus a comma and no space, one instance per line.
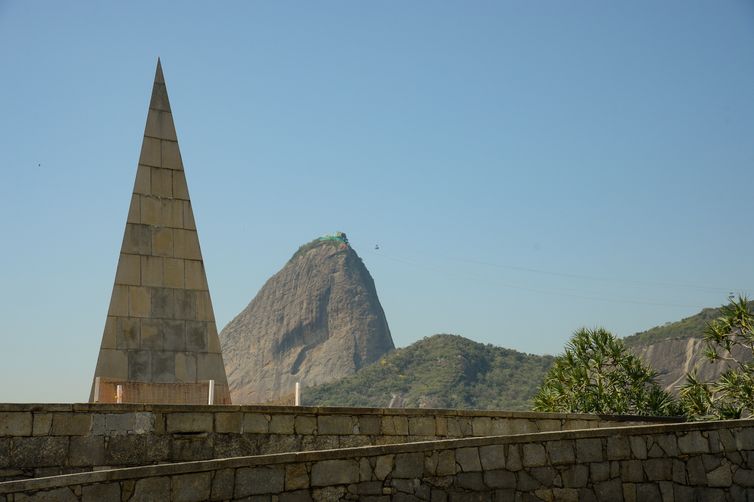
(101,492)
(193,447)
(695,471)
(446,463)
(534,455)
(744,477)
(565,494)
(173,335)
(365,469)
(162,303)
(151,490)
(42,424)
(492,457)
(648,492)
(394,426)
(222,484)
(127,333)
(481,426)
(228,422)
(307,424)
(632,471)
(599,471)
(526,482)
(210,367)
(575,476)
(71,424)
(4,453)
(54,495)
(679,471)
(158,448)
(87,451)
(638,447)
(335,424)
(609,490)
(545,475)
(196,336)
(618,448)
(589,450)
(468,459)
(194,487)
(499,478)
(692,442)
(41,451)
(384,466)
(369,424)
(296,477)
(410,465)
(163,366)
(297,496)
(138,366)
(560,452)
(185,306)
(256,423)
(126,450)
(334,472)
(659,469)
(421,426)
(710,494)
(513,461)
(259,480)
(281,424)
(471,481)
(15,423)
(190,422)
(720,477)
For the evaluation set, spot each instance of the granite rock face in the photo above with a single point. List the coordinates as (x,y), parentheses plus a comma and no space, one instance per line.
(316,320)
(672,358)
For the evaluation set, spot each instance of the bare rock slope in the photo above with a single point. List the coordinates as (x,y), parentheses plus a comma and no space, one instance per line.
(315,321)
(678,348)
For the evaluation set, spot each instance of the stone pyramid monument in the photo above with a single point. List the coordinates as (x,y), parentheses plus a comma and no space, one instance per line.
(160,342)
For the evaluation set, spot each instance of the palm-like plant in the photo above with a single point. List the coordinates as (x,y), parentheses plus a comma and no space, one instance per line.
(597,374)
(732,395)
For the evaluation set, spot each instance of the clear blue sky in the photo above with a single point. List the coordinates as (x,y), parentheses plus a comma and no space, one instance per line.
(525,167)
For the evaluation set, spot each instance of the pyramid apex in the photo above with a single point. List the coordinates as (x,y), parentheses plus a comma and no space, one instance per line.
(158,77)
(159,99)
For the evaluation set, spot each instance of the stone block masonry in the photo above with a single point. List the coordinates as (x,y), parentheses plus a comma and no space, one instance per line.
(43,440)
(160,329)
(702,461)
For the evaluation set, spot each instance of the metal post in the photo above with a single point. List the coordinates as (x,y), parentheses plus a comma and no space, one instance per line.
(119,393)
(96,389)
(297,395)
(211,399)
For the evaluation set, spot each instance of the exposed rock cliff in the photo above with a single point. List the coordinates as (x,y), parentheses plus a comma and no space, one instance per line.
(316,320)
(674,357)
(678,348)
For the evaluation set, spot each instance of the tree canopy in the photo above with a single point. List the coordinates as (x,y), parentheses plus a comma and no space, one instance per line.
(597,374)
(729,338)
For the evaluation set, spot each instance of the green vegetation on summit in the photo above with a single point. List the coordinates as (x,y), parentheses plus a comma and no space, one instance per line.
(688,327)
(441,371)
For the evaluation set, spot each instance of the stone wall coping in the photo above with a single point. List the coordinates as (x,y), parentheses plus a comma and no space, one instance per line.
(318,410)
(358,452)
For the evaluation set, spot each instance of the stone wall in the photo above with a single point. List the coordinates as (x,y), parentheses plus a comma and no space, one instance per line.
(46,440)
(684,462)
